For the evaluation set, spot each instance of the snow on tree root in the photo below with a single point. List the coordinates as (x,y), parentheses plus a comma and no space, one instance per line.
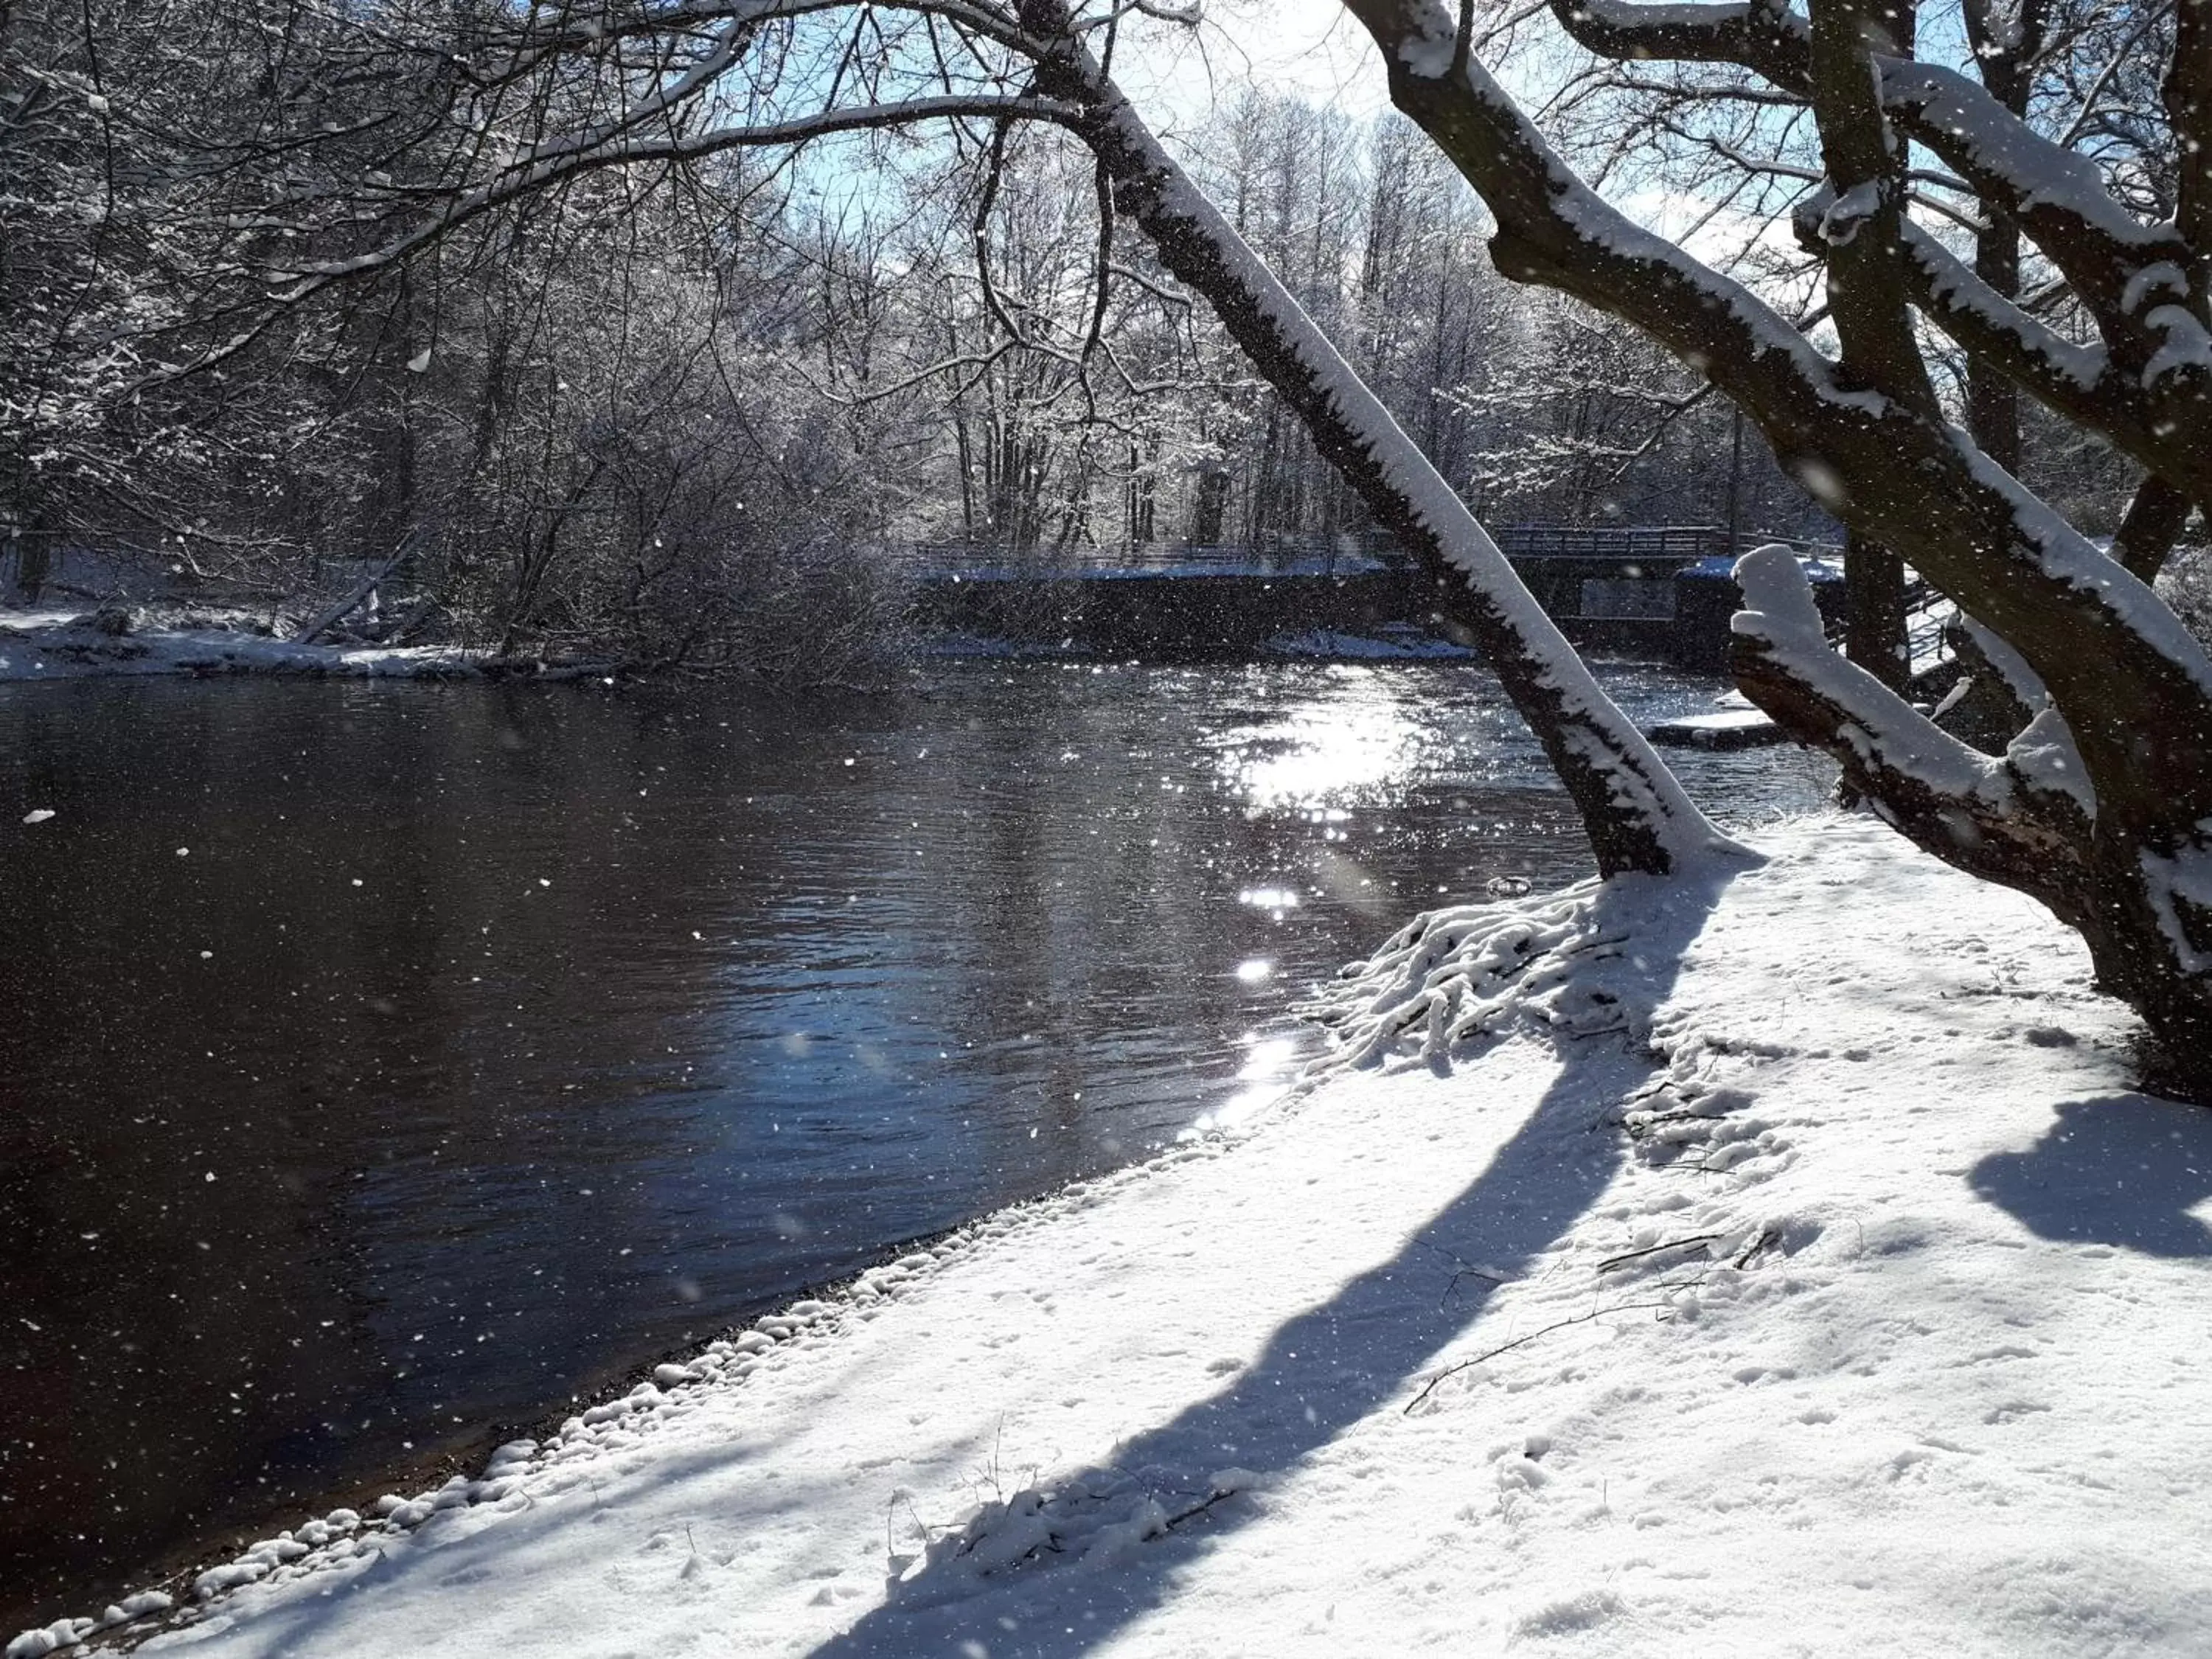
(1456,975)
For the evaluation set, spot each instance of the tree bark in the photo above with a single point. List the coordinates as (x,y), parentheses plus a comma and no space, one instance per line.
(2155,521)
(1873,611)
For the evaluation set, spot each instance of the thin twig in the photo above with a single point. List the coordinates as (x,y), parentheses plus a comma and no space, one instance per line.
(1200,1507)
(1611,1262)
(1762,1241)
(1507,1347)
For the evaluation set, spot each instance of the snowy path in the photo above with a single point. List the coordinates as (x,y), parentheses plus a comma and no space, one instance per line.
(1885,1335)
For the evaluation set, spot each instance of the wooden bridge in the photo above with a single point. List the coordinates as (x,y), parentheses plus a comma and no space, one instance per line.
(1612,546)
(1659,591)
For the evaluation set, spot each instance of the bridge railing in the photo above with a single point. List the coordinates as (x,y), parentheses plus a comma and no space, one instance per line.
(1285,557)
(1344,554)
(1620,544)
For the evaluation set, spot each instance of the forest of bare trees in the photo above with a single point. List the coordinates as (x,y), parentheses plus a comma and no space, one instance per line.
(701,411)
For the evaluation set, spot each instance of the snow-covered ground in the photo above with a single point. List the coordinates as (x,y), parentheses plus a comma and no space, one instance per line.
(1869,1317)
(53,643)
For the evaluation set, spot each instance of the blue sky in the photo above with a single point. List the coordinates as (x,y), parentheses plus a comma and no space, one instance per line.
(1310,48)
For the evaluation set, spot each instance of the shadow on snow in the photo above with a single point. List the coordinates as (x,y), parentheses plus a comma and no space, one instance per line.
(1323,1371)
(2122,1170)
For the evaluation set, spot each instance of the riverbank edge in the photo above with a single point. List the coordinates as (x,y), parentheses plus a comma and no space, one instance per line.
(206,1570)
(112,641)
(172,1574)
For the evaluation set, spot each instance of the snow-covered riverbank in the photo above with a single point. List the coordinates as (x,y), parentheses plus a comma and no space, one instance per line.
(1869,1319)
(108,640)
(75,642)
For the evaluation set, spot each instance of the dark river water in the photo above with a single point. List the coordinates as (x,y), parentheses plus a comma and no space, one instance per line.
(384,1065)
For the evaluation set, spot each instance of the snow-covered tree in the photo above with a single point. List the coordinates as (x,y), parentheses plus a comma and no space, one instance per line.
(599,415)
(2101,803)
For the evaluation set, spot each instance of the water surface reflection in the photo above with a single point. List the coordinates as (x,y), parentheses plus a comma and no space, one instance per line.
(383,1063)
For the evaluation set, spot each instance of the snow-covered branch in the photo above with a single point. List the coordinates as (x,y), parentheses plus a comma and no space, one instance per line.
(2077,381)
(1764,36)
(2056,195)
(545,168)
(2011,819)
(2058,370)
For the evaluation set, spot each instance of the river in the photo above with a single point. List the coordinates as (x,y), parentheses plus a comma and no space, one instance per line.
(388,1065)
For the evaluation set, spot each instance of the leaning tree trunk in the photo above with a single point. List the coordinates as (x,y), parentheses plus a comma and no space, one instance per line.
(1633,809)
(2101,807)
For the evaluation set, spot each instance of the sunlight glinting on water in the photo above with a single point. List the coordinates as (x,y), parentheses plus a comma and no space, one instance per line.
(1238,1109)
(1271,1057)
(1350,741)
